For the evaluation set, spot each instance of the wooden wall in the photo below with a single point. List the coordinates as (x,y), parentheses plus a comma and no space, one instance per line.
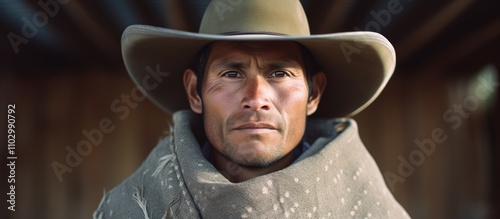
(455,181)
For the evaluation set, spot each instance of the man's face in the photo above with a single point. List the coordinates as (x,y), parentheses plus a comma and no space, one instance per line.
(254,98)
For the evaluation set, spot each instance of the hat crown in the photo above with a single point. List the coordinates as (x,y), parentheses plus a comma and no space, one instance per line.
(286,17)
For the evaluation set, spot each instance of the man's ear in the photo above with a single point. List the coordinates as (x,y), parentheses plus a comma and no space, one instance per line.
(190,81)
(319,84)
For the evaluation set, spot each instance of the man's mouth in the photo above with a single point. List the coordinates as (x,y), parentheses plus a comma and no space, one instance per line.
(255,128)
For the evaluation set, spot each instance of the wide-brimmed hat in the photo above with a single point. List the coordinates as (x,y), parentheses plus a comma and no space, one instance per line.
(357,64)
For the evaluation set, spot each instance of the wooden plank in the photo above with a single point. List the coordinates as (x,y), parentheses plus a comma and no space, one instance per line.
(180,16)
(430,28)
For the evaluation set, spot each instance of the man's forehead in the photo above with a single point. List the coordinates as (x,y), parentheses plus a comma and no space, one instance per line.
(282,50)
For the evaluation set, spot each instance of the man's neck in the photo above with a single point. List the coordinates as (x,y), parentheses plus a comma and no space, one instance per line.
(237,173)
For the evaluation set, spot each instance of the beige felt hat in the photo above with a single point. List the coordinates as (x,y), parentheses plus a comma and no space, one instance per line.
(357,64)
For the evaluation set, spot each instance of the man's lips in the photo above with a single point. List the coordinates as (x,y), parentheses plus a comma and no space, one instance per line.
(255,127)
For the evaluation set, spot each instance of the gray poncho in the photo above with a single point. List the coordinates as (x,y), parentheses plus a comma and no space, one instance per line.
(335,178)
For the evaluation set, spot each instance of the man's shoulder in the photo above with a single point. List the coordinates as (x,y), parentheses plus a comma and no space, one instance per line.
(154,179)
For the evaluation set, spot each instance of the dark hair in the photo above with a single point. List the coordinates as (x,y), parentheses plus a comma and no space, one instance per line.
(200,63)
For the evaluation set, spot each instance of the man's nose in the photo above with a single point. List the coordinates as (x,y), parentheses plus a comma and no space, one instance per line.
(257,95)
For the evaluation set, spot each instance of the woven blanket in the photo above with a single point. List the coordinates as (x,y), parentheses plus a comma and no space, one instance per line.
(335,178)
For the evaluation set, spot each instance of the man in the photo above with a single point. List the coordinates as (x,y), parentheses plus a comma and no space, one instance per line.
(256,141)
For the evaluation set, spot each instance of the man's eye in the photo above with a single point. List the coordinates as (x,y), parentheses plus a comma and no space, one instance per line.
(232,74)
(279,74)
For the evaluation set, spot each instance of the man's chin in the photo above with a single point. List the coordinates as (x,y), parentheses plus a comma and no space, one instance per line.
(254,160)
(253,153)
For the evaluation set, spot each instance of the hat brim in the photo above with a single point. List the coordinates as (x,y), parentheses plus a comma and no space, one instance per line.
(357,65)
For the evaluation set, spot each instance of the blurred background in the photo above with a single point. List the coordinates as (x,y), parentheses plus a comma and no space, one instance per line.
(434,131)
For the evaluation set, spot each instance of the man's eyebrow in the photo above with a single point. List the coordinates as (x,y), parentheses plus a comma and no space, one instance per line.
(229,63)
(283,63)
